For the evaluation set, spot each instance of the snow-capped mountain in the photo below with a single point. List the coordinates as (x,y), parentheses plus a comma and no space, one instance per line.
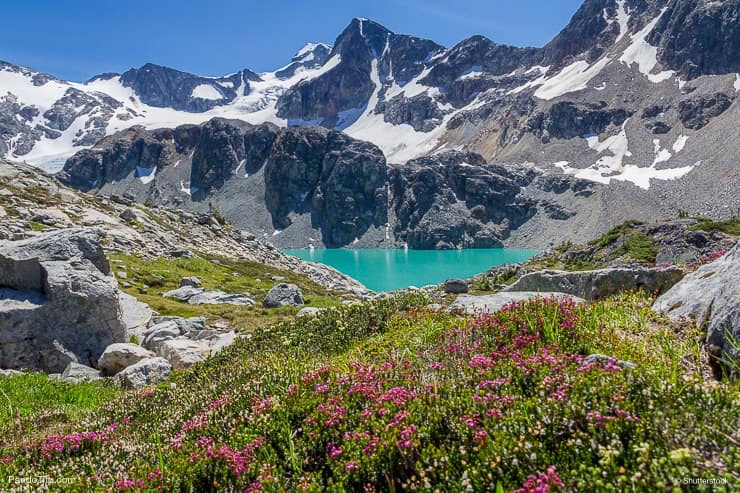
(639,95)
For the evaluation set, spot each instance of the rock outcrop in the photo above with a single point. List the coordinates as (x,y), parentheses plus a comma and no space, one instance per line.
(467,304)
(710,297)
(148,371)
(121,355)
(283,295)
(58,301)
(601,283)
(454,200)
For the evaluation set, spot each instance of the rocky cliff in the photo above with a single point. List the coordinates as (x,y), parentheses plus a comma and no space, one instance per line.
(313,186)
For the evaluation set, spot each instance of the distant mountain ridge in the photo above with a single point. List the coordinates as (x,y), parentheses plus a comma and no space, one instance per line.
(638,96)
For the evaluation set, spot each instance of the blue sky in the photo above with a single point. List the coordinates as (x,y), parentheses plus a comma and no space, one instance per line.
(76,39)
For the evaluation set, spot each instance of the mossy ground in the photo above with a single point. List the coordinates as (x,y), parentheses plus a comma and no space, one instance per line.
(228,275)
(730,226)
(387,396)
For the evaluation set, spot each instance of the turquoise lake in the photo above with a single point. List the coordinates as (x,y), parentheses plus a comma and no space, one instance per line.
(385,270)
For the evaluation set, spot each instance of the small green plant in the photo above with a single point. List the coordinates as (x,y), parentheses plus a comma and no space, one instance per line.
(640,247)
(730,226)
(615,233)
(37,226)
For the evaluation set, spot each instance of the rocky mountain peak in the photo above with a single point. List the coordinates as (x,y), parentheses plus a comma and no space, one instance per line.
(312,55)
(699,37)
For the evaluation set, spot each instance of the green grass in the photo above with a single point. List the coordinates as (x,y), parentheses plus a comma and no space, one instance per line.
(615,233)
(388,396)
(640,247)
(37,226)
(31,399)
(730,226)
(229,275)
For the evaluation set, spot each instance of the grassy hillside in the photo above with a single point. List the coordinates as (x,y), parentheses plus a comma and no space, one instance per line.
(387,396)
(149,278)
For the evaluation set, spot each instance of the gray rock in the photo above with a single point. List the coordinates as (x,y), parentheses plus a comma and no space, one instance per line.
(76,373)
(183,353)
(200,335)
(118,356)
(598,284)
(190,281)
(183,293)
(219,343)
(283,295)
(136,315)
(219,297)
(309,311)
(456,286)
(710,296)
(695,112)
(159,333)
(597,358)
(470,305)
(9,373)
(148,371)
(128,215)
(191,324)
(58,302)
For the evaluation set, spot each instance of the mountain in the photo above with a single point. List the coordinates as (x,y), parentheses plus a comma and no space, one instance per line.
(625,98)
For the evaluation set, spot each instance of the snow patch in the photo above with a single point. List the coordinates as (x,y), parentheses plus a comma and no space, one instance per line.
(206,91)
(736,85)
(623,18)
(572,78)
(661,155)
(612,167)
(472,73)
(146,175)
(680,143)
(644,54)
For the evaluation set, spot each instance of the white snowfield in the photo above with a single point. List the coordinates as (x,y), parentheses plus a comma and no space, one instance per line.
(398,142)
(206,91)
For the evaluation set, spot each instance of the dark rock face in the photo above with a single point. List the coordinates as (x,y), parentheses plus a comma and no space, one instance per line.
(117,156)
(695,112)
(455,200)
(225,145)
(565,120)
(420,111)
(341,181)
(477,53)
(699,37)
(165,87)
(587,32)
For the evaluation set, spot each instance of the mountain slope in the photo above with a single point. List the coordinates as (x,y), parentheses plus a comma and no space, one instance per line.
(622,96)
